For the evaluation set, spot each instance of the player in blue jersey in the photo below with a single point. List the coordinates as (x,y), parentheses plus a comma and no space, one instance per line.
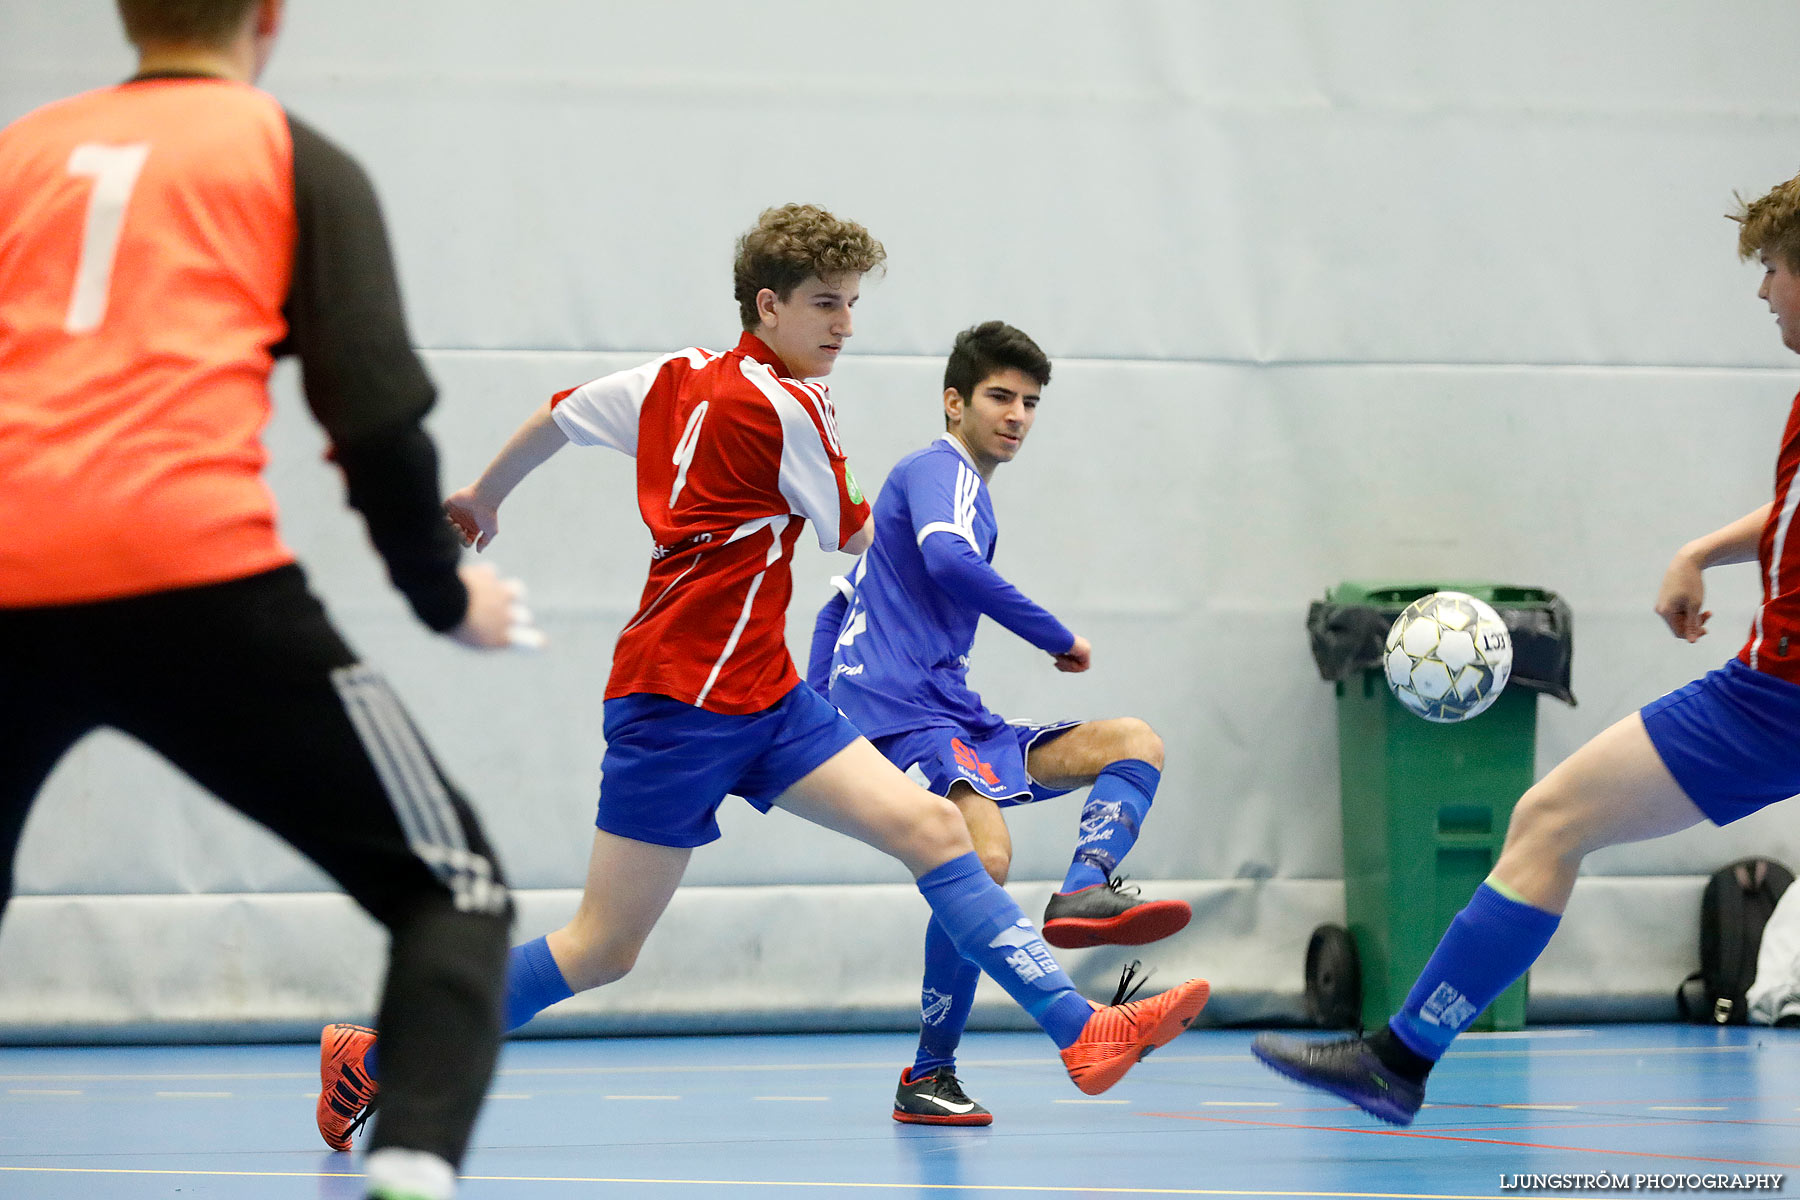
(891,651)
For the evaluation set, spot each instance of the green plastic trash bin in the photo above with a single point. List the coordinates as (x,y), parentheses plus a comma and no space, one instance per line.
(1425,806)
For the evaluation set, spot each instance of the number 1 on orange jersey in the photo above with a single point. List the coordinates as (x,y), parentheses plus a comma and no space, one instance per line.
(114,170)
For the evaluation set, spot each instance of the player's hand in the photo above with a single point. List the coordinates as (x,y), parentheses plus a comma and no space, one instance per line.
(1680,600)
(475,521)
(497,618)
(1076,658)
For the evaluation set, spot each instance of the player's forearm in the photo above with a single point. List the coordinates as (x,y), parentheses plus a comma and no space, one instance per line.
(530,446)
(1034,624)
(392,480)
(1733,543)
(955,567)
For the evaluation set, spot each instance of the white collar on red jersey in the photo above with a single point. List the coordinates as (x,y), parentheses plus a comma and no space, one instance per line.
(753,347)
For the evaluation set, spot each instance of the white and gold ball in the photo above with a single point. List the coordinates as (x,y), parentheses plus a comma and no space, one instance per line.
(1448,656)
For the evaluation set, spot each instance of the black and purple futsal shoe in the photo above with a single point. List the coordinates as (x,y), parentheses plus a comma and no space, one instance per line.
(1347,1069)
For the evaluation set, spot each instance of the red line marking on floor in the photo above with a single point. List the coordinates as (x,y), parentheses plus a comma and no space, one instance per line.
(1550,1128)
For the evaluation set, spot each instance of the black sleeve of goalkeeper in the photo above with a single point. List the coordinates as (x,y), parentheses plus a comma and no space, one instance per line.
(362,379)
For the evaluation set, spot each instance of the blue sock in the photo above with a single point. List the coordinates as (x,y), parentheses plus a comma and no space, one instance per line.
(533,982)
(1491,943)
(944,1001)
(991,932)
(1110,820)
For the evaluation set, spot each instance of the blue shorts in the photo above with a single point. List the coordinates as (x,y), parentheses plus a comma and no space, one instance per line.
(993,763)
(669,765)
(1731,739)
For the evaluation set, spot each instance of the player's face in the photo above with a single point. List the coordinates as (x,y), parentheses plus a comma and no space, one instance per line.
(1781,289)
(808,329)
(994,421)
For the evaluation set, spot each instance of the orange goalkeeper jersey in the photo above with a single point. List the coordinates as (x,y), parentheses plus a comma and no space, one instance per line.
(147,239)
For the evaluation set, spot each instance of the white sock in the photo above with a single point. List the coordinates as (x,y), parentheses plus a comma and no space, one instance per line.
(396,1174)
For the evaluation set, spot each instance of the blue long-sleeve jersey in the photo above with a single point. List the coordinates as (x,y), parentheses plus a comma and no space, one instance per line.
(891,649)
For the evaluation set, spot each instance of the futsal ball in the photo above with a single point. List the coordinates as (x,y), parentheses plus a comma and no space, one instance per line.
(1448,656)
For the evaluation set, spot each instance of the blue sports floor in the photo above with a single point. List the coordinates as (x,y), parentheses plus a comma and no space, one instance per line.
(676,1118)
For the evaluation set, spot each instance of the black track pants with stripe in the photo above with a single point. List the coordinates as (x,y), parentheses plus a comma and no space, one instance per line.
(247,688)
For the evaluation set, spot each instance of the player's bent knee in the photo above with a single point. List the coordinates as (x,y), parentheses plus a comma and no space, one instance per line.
(1545,824)
(1142,742)
(938,833)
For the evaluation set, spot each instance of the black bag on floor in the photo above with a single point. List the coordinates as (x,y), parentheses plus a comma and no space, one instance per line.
(1733,910)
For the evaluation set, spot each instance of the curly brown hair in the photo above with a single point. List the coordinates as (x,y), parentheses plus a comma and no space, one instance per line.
(791,243)
(1771,223)
(204,22)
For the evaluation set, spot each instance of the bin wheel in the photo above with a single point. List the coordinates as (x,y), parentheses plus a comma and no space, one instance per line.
(1333,979)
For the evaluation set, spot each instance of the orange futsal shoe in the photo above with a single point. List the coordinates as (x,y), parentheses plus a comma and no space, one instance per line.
(1116,1037)
(346,1091)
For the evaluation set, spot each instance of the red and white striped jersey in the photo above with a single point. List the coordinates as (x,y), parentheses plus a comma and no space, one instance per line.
(732,456)
(1774,645)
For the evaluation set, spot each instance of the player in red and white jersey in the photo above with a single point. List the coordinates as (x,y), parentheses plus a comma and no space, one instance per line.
(1719,749)
(735,453)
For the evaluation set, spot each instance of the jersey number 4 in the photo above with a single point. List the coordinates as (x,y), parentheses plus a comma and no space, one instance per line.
(114,170)
(683,457)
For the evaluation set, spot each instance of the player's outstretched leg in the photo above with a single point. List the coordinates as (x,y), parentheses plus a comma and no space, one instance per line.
(860,793)
(1099,1045)
(1490,944)
(1615,789)
(1122,760)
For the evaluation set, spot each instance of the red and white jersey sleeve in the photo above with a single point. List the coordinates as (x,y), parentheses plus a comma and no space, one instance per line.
(604,411)
(1774,645)
(814,477)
